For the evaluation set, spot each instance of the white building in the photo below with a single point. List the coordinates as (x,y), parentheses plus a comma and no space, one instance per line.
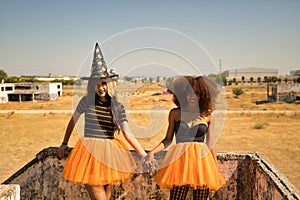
(295,72)
(251,72)
(29,91)
(5,89)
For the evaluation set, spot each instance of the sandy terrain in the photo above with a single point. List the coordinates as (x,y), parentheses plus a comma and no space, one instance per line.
(274,134)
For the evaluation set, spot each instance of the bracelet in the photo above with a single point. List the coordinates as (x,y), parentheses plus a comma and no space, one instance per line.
(144,154)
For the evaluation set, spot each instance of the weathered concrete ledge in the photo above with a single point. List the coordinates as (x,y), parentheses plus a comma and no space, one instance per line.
(10,192)
(248,176)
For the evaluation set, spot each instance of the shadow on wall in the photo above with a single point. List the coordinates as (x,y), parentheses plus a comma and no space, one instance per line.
(248,176)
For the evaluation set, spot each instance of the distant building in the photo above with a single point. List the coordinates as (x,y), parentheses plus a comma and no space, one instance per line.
(5,89)
(250,72)
(52,78)
(29,91)
(295,72)
(283,92)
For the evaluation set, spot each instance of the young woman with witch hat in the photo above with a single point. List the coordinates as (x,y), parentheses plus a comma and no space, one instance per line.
(99,159)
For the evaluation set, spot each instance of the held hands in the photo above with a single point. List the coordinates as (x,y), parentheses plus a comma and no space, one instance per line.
(149,162)
(62,150)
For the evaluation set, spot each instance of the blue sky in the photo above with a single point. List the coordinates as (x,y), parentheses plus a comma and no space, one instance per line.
(58,37)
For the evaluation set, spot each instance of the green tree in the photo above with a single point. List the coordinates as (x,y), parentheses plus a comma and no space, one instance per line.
(234,81)
(274,79)
(269,79)
(78,82)
(129,79)
(3,75)
(243,79)
(237,92)
(29,79)
(150,80)
(251,80)
(169,84)
(258,80)
(218,78)
(56,80)
(13,79)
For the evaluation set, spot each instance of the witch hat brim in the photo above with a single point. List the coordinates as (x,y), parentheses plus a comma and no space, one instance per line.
(99,68)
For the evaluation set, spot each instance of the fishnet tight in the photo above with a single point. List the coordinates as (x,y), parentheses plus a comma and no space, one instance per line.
(180,193)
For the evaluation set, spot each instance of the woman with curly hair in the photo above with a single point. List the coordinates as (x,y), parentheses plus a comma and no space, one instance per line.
(191,162)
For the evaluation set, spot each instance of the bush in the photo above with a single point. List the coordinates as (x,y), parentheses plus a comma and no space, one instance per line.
(260,125)
(237,92)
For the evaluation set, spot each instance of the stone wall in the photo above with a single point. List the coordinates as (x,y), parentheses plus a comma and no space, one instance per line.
(248,176)
(10,192)
(251,176)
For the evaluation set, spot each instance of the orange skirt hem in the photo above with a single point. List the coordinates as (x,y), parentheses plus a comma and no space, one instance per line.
(189,164)
(95,161)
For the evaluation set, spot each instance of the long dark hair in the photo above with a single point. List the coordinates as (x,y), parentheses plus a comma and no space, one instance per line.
(207,90)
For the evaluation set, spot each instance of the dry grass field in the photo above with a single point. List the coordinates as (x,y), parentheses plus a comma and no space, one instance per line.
(273,134)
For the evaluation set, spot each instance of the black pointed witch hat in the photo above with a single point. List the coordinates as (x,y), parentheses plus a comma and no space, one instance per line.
(99,68)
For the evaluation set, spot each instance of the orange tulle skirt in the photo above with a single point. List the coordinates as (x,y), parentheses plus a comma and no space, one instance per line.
(95,161)
(189,164)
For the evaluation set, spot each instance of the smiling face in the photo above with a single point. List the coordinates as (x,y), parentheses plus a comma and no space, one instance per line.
(101,88)
(192,98)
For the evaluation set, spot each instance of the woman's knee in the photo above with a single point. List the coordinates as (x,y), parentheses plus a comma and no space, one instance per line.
(96,192)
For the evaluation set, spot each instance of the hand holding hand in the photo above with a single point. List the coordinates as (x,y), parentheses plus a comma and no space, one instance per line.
(150,162)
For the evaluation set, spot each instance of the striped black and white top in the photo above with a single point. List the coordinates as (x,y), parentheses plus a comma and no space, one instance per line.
(98,118)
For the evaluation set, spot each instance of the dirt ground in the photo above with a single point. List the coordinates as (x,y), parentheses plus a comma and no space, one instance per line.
(273,134)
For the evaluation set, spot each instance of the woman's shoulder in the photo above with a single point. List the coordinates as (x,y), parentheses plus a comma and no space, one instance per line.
(175,112)
(82,104)
(84,99)
(117,104)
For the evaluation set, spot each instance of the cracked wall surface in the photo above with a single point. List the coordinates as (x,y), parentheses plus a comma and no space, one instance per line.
(248,176)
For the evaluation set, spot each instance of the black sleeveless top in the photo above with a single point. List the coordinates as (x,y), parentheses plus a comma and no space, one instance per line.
(184,133)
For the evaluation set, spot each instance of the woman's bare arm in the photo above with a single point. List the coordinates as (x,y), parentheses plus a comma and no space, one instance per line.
(131,139)
(209,138)
(70,127)
(168,138)
(68,132)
